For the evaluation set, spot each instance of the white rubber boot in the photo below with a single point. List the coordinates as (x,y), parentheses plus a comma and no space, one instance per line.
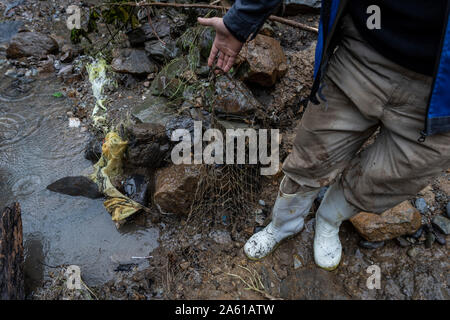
(332,211)
(288,216)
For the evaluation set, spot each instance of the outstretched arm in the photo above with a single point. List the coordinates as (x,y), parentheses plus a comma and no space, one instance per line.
(240,23)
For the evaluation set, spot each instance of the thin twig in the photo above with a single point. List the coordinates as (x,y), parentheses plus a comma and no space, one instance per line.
(288,22)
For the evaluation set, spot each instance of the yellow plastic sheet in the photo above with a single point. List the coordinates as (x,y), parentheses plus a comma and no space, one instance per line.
(110,165)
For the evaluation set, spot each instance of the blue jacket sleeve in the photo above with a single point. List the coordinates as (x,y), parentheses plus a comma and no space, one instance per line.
(246,17)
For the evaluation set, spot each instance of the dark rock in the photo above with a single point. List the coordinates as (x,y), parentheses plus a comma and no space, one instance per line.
(162,51)
(125,267)
(440,238)
(421,205)
(159,28)
(93,150)
(265,61)
(148,145)
(293,7)
(168,82)
(27,44)
(233,97)
(371,245)
(76,186)
(417,234)
(154,110)
(205,42)
(136,188)
(448,210)
(134,61)
(178,123)
(429,239)
(442,224)
(257,229)
(175,188)
(403,242)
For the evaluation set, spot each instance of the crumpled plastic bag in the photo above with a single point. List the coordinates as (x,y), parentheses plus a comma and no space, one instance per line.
(109,166)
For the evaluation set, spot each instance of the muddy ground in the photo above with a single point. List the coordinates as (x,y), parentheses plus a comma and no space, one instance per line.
(212,265)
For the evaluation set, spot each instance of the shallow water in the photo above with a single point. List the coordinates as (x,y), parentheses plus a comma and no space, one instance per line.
(37,147)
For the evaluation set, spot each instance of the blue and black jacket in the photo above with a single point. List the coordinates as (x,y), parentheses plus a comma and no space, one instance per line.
(246,17)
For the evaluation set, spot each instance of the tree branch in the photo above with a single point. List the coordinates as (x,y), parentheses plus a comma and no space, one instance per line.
(288,22)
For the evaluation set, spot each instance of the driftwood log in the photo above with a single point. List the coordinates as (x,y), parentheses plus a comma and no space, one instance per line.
(11,254)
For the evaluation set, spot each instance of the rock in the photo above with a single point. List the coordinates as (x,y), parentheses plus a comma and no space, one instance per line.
(417,234)
(440,238)
(9,29)
(134,61)
(428,194)
(136,188)
(220,236)
(297,261)
(400,220)
(233,97)
(371,245)
(26,44)
(162,52)
(444,184)
(168,83)
(265,61)
(413,252)
(153,110)
(293,7)
(93,150)
(69,52)
(175,187)
(160,28)
(262,202)
(76,186)
(429,240)
(206,40)
(442,224)
(447,208)
(402,242)
(421,205)
(148,145)
(65,71)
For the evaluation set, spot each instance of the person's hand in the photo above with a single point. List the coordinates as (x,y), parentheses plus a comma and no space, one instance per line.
(225,47)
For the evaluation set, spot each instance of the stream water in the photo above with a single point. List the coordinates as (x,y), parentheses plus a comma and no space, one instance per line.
(37,147)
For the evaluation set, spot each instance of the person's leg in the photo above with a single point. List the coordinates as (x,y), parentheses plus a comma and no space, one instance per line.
(396,166)
(327,138)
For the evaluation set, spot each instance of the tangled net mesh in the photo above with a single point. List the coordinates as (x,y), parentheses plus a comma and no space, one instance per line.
(225,197)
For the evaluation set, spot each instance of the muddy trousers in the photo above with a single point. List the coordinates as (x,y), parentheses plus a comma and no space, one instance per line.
(363,92)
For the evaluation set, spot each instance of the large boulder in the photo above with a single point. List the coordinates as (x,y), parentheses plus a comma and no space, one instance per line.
(401,220)
(154,110)
(134,61)
(147,146)
(175,188)
(159,28)
(26,44)
(265,61)
(233,97)
(162,50)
